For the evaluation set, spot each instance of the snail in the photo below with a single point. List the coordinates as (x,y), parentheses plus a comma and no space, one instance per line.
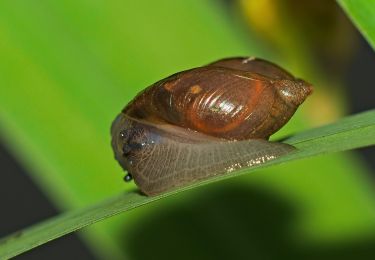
(205,122)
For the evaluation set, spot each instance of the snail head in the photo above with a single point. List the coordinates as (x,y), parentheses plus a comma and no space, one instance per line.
(131,139)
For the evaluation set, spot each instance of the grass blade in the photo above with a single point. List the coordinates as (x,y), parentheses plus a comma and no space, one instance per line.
(362,12)
(349,133)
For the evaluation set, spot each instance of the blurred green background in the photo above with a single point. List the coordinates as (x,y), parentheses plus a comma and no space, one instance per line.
(68,67)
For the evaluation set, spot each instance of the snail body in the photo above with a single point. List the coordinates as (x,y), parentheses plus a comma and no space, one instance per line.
(205,122)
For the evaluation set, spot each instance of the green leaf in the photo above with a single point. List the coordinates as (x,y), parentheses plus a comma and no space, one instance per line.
(68,67)
(349,133)
(362,12)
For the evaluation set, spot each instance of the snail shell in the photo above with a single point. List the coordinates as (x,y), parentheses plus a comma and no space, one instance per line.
(204,122)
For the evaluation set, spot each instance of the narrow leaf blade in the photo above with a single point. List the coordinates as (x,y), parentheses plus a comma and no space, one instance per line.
(362,12)
(349,133)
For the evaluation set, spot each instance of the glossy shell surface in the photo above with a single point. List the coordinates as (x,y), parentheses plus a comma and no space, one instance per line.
(226,99)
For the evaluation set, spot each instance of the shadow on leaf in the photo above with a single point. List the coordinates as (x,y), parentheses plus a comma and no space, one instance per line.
(236,222)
